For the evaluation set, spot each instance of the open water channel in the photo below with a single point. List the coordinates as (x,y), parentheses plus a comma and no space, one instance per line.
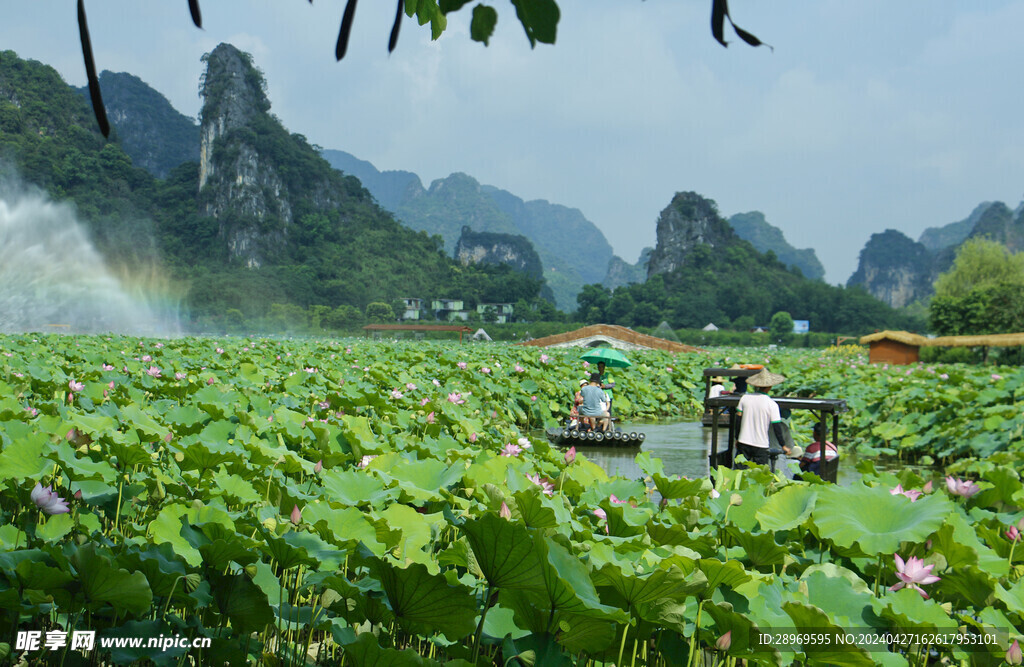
(683,447)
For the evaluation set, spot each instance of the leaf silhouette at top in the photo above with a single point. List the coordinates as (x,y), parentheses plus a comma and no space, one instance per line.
(90,72)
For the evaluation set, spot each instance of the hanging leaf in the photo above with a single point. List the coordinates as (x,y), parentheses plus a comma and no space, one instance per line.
(539,19)
(482,26)
(393,39)
(193,9)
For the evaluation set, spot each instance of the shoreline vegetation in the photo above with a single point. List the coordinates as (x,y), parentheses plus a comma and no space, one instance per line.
(308,501)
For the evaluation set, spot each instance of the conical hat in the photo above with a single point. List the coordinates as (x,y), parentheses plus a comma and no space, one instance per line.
(765,379)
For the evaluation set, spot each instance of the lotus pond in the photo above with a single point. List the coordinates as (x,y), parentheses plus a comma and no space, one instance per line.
(371,503)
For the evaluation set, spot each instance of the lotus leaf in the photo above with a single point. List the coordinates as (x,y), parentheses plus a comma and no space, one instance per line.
(812,620)
(103,582)
(426,603)
(876,520)
(25,456)
(505,552)
(355,488)
(788,508)
(241,601)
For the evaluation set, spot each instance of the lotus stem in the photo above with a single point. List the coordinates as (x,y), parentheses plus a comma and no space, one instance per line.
(480,626)
(622,644)
(878,575)
(696,633)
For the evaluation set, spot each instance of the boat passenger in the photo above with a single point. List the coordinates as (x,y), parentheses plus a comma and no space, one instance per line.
(592,411)
(607,384)
(717,387)
(811,460)
(577,401)
(759,413)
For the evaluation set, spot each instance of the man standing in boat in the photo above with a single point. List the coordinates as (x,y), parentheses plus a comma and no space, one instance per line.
(759,413)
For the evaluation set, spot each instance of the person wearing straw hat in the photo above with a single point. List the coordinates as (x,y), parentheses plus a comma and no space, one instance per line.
(759,413)
(717,387)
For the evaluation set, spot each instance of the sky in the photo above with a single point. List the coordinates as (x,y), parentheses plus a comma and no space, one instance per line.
(866,116)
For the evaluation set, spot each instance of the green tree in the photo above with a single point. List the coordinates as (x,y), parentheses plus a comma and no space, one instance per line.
(983,292)
(980,262)
(781,325)
(379,312)
(744,323)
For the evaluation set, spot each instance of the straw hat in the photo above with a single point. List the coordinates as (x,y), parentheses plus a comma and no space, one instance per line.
(583,382)
(717,379)
(765,379)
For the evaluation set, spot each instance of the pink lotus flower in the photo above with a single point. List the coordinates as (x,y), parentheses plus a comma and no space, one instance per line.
(424,401)
(912,573)
(714,493)
(410,386)
(296,516)
(600,513)
(76,386)
(111,384)
(461,365)
(396,394)
(997,377)
(146,357)
(365,461)
(318,467)
(180,376)
(724,642)
(544,358)
(430,418)
(436,383)
(1014,655)
(168,437)
(525,443)
(32,411)
(505,512)
(533,398)
(209,380)
(961,487)
(472,437)
(586,364)
(615,501)
(669,369)
(158,345)
(456,398)
(220,350)
(928,487)
(153,372)
(519,369)
(570,456)
(547,487)
(107,367)
(309,370)
(324,404)
(485,370)
(48,501)
(944,376)
(913,494)
(511,449)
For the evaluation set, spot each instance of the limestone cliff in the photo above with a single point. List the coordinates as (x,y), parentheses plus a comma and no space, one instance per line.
(764,236)
(620,272)
(895,269)
(688,222)
(513,250)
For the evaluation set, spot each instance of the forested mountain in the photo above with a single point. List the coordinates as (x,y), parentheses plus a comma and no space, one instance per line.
(152,132)
(701,272)
(263,224)
(572,249)
(901,271)
(754,228)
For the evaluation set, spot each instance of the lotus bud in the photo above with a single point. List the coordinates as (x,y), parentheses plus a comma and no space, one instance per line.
(209,380)
(928,487)
(167,438)
(270,523)
(570,456)
(736,499)
(505,512)
(251,570)
(1014,655)
(724,642)
(1013,534)
(318,467)
(78,494)
(296,516)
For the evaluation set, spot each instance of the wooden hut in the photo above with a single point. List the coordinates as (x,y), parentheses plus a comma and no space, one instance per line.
(894,347)
(901,347)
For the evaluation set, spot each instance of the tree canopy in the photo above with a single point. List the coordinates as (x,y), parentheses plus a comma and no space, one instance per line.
(983,293)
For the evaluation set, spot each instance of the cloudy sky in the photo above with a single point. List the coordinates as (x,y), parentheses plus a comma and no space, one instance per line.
(867,115)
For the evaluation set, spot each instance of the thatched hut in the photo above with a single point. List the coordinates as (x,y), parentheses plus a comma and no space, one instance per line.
(902,347)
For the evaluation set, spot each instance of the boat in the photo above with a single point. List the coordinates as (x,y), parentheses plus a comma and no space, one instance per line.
(574,437)
(739,374)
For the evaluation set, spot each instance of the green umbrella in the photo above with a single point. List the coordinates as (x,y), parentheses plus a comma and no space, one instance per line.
(611,357)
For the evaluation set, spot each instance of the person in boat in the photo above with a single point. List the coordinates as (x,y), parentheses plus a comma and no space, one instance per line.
(717,387)
(577,401)
(594,410)
(811,459)
(759,413)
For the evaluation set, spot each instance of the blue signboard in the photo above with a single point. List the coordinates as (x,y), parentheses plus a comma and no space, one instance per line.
(801,326)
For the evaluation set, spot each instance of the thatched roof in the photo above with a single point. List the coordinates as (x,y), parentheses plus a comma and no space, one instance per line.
(904,337)
(987,340)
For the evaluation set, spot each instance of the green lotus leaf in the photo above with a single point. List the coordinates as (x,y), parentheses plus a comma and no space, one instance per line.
(93,423)
(37,575)
(186,419)
(79,468)
(967,586)
(423,480)
(760,549)
(505,552)
(143,423)
(1006,484)
(810,619)
(56,527)
(426,603)
(500,623)
(166,528)
(234,489)
(344,526)
(25,456)
(846,596)
(216,402)
(539,511)
(366,652)
(204,456)
(677,535)
(359,436)
(876,520)
(11,537)
(129,455)
(252,374)
(415,532)
(1012,597)
(219,546)
(103,582)
(241,601)
(567,586)
(908,610)
(788,508)
(163,570)
(717,573)
(355,488)
(743,516)
(742,629)
(126,655)
(670,487)
(637,589)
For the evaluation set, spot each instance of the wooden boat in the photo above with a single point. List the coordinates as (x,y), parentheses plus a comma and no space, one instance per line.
(571,437)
